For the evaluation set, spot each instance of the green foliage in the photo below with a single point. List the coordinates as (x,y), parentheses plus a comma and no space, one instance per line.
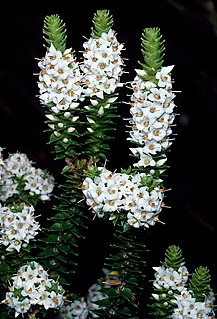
(67,226)
(101,126)
(152,47)
(66,143)
(173,257)
(103,22)
(54,31)
(127,261)
(200,283)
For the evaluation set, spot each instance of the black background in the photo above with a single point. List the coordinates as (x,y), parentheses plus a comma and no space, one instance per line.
(190,32)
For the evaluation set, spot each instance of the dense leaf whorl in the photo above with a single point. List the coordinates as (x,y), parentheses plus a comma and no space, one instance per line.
(54,32)
(103,22)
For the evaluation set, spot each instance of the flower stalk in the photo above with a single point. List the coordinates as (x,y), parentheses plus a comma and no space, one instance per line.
(80,104)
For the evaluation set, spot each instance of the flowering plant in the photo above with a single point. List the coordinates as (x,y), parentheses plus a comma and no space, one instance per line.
(80,97)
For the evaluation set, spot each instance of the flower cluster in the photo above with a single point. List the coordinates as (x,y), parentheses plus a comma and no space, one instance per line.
(152,113)
(169,281)
(63,81)
(17,226)
(188,307)
(59,80)
(102,65)
(115,192)
(19,176)
(169,278)
(31,287)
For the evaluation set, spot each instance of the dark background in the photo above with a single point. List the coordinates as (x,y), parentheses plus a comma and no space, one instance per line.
(190,32)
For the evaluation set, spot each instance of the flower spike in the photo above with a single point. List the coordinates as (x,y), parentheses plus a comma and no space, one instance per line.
(54,31)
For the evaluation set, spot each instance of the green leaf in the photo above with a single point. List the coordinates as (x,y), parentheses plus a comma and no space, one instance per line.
(51,239)
(64,248)
(103,302)
(127,293)
(63,226)
(49,252)
(124,311)
(111,292)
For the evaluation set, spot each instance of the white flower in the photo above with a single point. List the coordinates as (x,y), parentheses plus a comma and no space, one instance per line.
(164,77)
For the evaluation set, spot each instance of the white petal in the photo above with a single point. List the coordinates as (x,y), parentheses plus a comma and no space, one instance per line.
(140,72)
(94,102)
